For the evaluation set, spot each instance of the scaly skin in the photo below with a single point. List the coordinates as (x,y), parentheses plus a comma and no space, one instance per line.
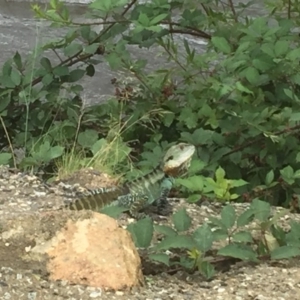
(152,188)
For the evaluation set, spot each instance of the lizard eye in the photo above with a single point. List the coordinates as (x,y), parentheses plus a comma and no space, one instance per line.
(170,157)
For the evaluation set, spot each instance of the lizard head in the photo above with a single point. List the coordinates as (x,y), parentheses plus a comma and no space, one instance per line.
(177,159)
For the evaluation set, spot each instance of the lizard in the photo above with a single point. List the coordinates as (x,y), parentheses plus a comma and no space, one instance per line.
(151,189)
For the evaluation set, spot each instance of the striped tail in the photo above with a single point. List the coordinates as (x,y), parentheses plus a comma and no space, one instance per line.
(125,195)
(96,199)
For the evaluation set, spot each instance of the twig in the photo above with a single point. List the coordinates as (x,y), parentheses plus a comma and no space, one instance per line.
(233,11)
(259,139)
(9,142)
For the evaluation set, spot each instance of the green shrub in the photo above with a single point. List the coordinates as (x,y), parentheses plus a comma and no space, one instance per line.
(237,101)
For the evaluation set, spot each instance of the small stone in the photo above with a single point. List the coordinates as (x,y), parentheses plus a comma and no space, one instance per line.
(30,178)
(31,296)
(95,294)
(39,194)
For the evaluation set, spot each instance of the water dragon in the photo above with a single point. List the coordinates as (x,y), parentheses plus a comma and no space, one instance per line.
(151,189)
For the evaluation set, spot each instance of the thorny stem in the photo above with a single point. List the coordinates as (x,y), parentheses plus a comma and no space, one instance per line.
(261,138)
(173,57)
(58,56)
(233,11)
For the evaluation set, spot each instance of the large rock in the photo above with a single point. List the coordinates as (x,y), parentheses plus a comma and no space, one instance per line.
(81,247)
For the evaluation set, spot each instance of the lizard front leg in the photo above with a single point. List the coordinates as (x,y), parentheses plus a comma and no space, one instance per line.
(135,203)
(161,202)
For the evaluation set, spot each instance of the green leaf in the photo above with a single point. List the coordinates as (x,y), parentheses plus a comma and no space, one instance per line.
(264,63)
(87,138)
(178,241)
(102,5)
(238,183)
(193,183)
(162,258)
(202,137)
(269,178)
(239,251)
(203,238)
(144,20)
(55,152)
(142,232)
(15,77)
(5,158)
(97,146)
(245,218)
(240,87)
(114,60)
(6,81)
(252,75)
(47,79)
(281,47)
(72,49)
(220,234)
(18,60)
(4,102)
(220,174)
(76,75)
(261,209)
(182,221)
(285,252)
(46,64)
(228,216)
(292,238)
(188,117)
(196,166)
(207,269)
(291,94)
(165,230)
(295,117)
(113,211)
(294,54)
(259,26)
(221,44)
(158,19)
(90,70)
(61,71)
(244,46)
(287,174)
(218,223)
(194,198)
(242,236)
(279,234)
(91,49)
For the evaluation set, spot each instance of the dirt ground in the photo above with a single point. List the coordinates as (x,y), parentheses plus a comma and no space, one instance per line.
(21,193)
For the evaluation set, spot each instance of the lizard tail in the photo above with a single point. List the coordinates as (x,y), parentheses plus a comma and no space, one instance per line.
(95,199)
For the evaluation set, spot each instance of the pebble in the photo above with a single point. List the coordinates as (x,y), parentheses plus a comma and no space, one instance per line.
(95,294)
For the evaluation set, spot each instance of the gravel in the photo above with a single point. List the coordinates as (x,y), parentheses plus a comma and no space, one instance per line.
(23,193)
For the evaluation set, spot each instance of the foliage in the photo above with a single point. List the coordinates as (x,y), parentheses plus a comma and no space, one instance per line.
(241,113)
(252,236)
